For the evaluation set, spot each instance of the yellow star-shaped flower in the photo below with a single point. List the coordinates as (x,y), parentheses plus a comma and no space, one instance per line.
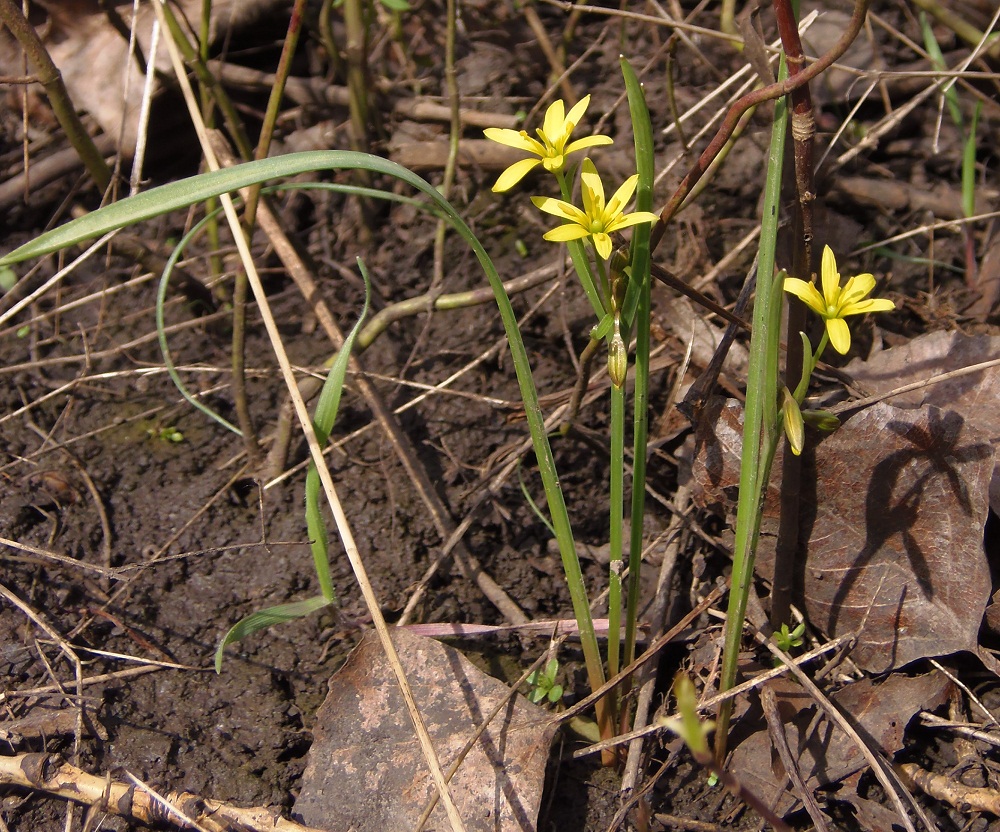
(597,220)
(837,302)
(553,148)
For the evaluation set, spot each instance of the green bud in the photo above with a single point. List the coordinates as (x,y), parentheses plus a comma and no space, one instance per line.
(619,279)
(791,416)
(821,420)
(617,358)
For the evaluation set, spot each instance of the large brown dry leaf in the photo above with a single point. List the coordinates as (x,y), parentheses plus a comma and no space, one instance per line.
(366,771)
(892,508)
(976,397)
(825,753)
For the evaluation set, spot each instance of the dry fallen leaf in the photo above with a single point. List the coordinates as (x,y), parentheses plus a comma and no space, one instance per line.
(879,711)
(892,509)
(366,772)
(976,397)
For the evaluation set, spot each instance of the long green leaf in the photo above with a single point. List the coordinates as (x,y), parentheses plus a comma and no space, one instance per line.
(323,420)
(642,131)
(262,619)
(185,192)
(760,434)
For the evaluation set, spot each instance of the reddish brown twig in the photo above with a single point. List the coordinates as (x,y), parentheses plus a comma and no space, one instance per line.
(749,100)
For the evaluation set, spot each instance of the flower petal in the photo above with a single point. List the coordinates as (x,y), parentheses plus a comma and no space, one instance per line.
(602,242)
(577,110)
(558,208)
(863,283)
(840,334)
(593,190)
(806,292)
(514,138)
(863,307)
(562,233)
(856,288)
(623,195)
(514,174)
(554,124)
(830,278)
(587,141)
(628,220)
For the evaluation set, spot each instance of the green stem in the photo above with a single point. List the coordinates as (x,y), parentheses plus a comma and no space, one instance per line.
(51,80)
(233,123)
(760,422)
(640,276)
(617,519)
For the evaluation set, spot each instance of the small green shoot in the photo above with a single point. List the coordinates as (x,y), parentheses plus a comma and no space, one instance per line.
(167,434)
(687,724)
(937,61)
(543,683)
(788,639)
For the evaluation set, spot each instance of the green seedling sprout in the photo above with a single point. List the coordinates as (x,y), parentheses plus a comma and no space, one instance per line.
(786,639)
(168,434)
(543,683)
(691,728)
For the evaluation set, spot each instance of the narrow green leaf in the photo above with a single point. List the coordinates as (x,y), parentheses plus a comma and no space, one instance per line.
(937,61)
(323,421)
(185,192)
(637,311)
(603,329)
(969,165)
(262,619)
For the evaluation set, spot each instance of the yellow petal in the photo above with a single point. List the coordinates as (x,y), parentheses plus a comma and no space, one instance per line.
(587,141)
(624,193)
(593,190)
(856,288)
(577,111)
(514,174)
(554,124)
(628,220)
(562,233)
(840,334)
(863,283)
(830,277)
(558,208)
(863,307)
(515,138)
(806,292)
(602,242)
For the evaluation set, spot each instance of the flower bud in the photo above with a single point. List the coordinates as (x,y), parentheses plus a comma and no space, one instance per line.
(617,358)
(821,420)
(618,278)
(791,416)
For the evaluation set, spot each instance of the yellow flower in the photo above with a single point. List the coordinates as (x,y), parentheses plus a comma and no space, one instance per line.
(552,150)
(837,302)
(596,220)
